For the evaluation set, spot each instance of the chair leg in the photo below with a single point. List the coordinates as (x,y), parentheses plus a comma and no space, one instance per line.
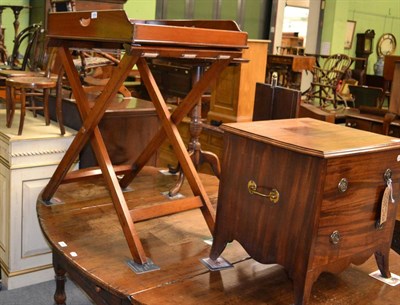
(334,100)
(9,103)
(59,115)
(23,108)
(321,102)
(32,103)
(46,106)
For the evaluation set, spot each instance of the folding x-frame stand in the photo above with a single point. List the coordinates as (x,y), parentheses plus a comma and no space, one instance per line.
(90,132)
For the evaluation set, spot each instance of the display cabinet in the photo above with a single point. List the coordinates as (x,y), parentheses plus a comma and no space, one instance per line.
(232,97)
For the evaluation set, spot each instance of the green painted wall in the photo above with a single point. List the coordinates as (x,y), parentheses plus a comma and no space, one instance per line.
(175,9)
(334,28)
(383,16)
(203,9)
(254,16)
(141,9)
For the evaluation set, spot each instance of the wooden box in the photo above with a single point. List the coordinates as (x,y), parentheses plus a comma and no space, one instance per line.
(330,180)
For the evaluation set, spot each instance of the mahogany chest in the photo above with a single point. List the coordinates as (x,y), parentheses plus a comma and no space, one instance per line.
(307,195)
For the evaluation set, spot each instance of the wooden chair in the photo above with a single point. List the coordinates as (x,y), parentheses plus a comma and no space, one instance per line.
(26,89)
(376,119)
(95,70)
(30,36)
(326,80)
(35,65)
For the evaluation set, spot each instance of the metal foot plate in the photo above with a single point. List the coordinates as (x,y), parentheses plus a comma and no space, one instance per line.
(214,265)
(52,201)
(143,268)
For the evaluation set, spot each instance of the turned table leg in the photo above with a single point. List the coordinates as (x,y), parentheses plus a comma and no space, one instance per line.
(59,296)
(197,155)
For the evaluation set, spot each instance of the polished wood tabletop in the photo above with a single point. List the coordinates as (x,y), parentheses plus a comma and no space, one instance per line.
(88,243)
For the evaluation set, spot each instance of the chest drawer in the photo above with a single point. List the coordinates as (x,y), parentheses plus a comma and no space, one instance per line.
(348,218)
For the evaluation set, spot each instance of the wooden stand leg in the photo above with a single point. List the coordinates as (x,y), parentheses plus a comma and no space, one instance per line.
(90,132)
(169,124)
(59,112)
(176,117)
(217,248)
(382,260)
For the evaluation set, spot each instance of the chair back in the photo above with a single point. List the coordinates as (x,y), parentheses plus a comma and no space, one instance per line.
(335,66)
(30,36)
(367,96)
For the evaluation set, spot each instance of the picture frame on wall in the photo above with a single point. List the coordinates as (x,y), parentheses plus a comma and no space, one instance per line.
(350,29)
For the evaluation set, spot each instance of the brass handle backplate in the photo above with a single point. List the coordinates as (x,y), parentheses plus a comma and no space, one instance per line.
(273,194)
(84,22)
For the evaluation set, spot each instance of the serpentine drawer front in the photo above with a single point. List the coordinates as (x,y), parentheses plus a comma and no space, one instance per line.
(309,195)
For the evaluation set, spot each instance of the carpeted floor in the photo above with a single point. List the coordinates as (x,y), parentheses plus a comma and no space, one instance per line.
(42,294)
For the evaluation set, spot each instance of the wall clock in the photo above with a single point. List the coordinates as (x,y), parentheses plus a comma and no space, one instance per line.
(386,45)
(364,48)
(365,43)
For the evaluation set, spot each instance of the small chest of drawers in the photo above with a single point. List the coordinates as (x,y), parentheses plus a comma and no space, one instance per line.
(307,195)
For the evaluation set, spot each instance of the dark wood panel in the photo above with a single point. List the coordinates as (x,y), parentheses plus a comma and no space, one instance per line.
(275,102)
(127,127)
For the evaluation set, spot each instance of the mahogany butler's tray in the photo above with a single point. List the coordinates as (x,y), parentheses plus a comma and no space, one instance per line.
(217,42)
